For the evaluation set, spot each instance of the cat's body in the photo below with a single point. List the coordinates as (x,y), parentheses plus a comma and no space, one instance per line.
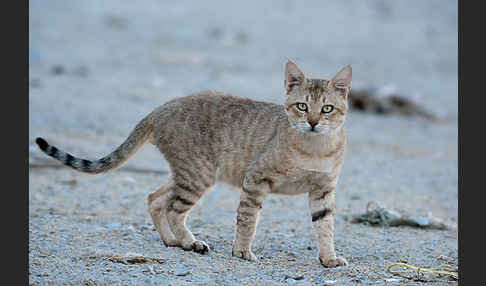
(242,130)
(260,147)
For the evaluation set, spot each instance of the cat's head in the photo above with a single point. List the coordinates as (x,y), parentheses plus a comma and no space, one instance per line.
(316,106)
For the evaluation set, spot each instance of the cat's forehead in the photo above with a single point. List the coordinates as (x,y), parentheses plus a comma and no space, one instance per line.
(316,84)
(316,87)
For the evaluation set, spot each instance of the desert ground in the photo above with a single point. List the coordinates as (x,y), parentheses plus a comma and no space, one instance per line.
(97,67)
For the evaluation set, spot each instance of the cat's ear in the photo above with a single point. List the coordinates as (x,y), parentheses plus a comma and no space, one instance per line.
(342,80)
(293,75)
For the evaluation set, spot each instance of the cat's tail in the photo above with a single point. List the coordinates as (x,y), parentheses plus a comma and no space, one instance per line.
(135,140)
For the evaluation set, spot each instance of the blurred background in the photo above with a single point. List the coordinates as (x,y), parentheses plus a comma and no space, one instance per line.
(97,67)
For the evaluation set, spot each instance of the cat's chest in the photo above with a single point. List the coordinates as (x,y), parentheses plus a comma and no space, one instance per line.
(319,162)
(302,181)
(322,165)
(308,156)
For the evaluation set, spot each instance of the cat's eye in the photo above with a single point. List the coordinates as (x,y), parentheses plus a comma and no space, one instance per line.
(302,106)
(327,108)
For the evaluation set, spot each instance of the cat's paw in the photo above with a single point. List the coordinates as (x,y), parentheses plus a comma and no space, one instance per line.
(197,246)
(245,254)
(200,247)
(333,262)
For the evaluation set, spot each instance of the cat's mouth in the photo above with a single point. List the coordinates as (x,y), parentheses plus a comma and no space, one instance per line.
(320,129)
(314,131)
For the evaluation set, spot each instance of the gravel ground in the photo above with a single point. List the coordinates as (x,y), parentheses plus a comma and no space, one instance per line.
(96,68)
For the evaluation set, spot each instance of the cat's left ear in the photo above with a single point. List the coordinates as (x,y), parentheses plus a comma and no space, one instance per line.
(293,75)
(342,80)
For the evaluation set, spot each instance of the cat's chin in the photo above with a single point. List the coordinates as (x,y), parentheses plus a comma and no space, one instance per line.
(314,133)
(309,132)
(321,132)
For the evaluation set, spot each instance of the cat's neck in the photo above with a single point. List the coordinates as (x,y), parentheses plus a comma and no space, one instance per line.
(316,144)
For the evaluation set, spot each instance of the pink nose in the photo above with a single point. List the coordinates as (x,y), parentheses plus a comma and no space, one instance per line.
(313,124)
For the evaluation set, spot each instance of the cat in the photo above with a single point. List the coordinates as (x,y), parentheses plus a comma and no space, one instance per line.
(263,148)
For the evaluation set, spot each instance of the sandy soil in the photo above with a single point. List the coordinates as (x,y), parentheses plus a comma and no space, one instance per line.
(96,68)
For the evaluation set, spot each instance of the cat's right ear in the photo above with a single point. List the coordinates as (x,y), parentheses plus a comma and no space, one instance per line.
(293,76)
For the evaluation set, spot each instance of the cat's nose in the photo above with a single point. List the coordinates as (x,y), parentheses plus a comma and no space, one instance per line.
(313,123)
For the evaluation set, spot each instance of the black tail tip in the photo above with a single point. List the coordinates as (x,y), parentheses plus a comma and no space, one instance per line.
(42,143)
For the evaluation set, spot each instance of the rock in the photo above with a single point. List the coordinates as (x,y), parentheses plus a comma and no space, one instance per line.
(182,272)
(58,69)
(215,33)
(355,197)
(299,277)
(115,22)
(241,37)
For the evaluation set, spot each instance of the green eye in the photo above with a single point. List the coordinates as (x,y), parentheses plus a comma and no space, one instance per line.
(327,108)
(302,106)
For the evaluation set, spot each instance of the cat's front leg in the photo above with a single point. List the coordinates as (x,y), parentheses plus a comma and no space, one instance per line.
(251,201)
(321,204)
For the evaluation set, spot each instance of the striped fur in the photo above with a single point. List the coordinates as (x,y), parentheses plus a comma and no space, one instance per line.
(260,147)
(321,214)
(134,141)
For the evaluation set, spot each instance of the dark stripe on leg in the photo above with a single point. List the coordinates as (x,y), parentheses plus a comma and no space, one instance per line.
(172,208)
(320,214)
(323,196)
(185,188)
(246,214)
(184,204)
(182,200)
(182,208)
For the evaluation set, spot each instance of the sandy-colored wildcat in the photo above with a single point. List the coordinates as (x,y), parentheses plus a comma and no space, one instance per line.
(261,147)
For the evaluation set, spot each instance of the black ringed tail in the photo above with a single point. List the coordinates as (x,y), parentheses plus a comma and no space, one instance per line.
(135,140)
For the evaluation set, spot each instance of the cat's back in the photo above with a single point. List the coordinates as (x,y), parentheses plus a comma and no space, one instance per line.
(224,103)
(215,109)
(217,121)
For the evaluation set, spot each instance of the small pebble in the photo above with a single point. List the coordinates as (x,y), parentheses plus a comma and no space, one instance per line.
(58,70)
(355,197)
(182,272)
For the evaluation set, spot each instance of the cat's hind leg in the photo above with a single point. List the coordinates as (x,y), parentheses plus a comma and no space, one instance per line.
(157,203)
(189,186)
